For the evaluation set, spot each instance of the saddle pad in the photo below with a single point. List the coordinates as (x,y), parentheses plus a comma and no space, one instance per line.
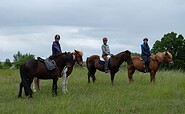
(50,64)
(102,59)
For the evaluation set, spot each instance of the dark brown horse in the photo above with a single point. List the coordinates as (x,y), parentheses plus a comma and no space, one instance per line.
(35,68)
(77,57)
(155,62)
(114,63)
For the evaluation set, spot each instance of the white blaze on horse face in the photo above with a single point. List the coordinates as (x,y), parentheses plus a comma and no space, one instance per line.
(64,83)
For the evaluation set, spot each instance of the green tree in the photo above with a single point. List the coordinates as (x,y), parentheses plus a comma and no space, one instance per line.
(7,64)
(21,58)
(135,54)
(1,65)
(175,44)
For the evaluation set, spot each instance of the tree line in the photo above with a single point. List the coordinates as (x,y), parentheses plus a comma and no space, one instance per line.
(18,59)
(171,42)
(175,44)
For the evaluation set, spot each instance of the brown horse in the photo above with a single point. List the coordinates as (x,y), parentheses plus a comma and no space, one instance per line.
(35,68)
(77,57)
(93,63)
(155,62)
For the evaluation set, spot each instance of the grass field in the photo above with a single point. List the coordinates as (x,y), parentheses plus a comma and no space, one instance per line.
(166,95)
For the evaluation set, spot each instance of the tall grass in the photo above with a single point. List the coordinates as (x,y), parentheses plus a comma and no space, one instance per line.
(166,95)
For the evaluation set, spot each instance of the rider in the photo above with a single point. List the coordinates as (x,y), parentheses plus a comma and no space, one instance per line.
(145,54)
(56,45)
(105,53)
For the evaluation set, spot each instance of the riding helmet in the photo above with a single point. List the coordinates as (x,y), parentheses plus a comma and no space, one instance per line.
(145,39)
(57,36)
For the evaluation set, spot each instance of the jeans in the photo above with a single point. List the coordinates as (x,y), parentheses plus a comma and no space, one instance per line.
(146,60)
(106,62)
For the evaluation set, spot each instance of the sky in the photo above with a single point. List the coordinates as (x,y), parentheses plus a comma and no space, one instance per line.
(29,26)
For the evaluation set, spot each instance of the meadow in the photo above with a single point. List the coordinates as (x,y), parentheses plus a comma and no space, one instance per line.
(165,96)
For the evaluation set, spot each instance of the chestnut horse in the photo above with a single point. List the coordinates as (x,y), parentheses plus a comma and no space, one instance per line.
(77,57)
(36,68)
(155,62)
(114,63)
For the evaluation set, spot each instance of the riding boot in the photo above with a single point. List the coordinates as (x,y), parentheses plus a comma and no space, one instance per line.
(146,68)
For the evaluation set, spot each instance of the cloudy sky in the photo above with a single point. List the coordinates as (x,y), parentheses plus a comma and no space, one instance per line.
(29,26)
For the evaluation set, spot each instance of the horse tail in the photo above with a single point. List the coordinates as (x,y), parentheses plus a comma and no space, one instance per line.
(87,62)
(25,81)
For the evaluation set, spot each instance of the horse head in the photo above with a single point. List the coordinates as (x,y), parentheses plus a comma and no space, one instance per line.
(127,57)
(78,56)
(168,57)
(164,57)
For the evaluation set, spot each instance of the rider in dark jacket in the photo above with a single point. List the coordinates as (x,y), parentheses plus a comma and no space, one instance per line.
(145,54)
(56,46)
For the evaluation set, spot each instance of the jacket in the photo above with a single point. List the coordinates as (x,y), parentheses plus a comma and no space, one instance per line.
(105,50)
(145,50)
(56,48)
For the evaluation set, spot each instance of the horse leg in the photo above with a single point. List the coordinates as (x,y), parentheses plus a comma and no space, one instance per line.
(89,75)
(30,82)
(20,90)
(66,90)
(152,76)
(112,77)
(64,83)
(54,87)
(93,75)
(36,85)
(130,75)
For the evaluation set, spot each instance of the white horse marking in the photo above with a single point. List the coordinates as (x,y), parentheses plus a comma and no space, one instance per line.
(65,80)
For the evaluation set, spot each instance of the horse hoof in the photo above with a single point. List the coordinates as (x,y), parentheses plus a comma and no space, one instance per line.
(20,97)
(65,91)
(30,97)
(54,94)
(34,90)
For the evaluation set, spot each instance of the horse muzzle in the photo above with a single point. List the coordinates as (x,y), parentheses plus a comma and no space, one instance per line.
(171,62)
(81,63)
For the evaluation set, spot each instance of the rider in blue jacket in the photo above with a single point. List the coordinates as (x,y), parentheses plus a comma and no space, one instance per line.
(56,45)
(145,54)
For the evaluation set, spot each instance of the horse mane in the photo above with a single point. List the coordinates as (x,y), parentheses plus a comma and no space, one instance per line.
(161,55)
(56,55)
(127,52)
(80,52)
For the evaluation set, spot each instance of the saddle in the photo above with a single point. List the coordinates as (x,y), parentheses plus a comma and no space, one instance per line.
(50,64)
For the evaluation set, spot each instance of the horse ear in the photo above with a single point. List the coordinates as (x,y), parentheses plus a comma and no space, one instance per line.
(75,50)
(166,53)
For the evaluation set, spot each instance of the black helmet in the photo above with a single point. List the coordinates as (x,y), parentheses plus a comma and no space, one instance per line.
(57,36)
(145,39)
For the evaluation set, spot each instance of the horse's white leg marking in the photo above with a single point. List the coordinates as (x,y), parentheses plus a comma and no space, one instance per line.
(64,83)
(35,86)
